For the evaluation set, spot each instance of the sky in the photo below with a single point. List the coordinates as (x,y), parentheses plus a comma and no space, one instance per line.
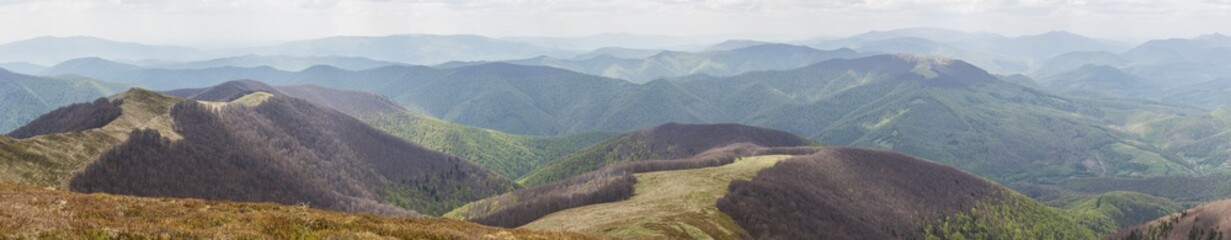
(254,22)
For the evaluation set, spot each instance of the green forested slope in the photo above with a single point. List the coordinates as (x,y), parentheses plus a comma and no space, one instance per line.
(509,155)
(23,98)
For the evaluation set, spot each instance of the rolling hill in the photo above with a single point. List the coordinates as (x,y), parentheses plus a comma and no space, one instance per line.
(1074,60)
(32,212)
(258,147)
(49,153)
(23,67)
(669,64)
(24,97)
(286,63)
(510,155)
(677,204)
(91,66)
(742,190)
(940,109)
(667,141)
(1100,81)
(1124,208)
(625,40)
(1208,221)
(1000,54)
(847,193)
(618,52)
(412,48)
(1177,62)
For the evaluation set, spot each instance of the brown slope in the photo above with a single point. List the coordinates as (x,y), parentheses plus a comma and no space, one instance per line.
(287,150)
(224,92)
(49,159)
(850,193)
(612,183)
(355,103)
(1209,221)
(675,140)
(667,141)
(28,212)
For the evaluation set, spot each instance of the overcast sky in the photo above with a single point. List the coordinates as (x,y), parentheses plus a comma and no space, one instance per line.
(230,22)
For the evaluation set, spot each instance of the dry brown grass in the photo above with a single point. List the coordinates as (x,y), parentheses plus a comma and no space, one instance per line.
(32,212)
(669,205)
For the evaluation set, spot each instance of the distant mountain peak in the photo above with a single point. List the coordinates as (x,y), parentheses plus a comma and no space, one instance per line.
(230,90)
(1214,37)
(92,60)
(322,68)
(734,44)
(66,38)
(924,59)
(935,71)
(136,93)
(1059,33)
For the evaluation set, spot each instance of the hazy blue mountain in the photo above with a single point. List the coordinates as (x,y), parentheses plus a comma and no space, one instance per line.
(618,52)
(1101,81)
(1074,60)
(23,97)
(1176,62)
(624,40)
(676,64)
(1178,49)
(52,50)
(413,48)
(1055,43)
(288,63)
(23,67)
(933,34)
(733,44)
(91,66)
(992,51)
(996,62)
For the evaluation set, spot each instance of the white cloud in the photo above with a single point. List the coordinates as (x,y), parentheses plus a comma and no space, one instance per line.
(231,21)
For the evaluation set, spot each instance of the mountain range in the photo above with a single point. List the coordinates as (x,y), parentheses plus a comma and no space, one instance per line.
(888,101)
(904,134)
(995,52)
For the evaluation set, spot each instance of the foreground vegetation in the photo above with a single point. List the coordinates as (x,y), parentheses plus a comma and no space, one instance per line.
(32,212)
(605,185)
(675,204)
